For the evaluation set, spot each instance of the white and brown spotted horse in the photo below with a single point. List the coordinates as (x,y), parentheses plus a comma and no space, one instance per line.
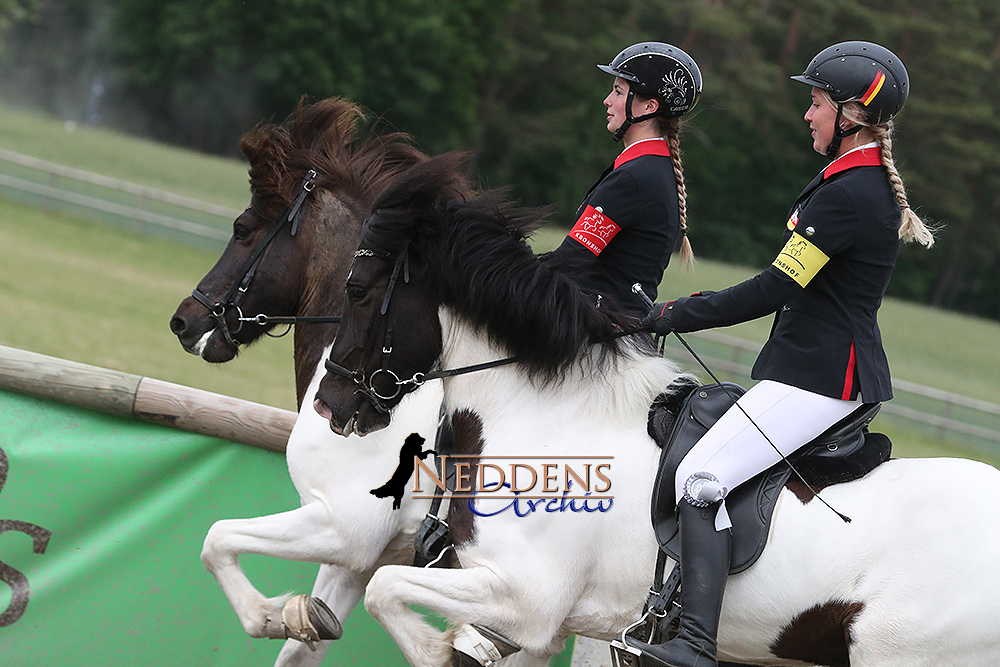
(911,581)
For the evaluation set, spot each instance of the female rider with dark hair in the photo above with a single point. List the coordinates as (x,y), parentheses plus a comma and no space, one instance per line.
(629,223)
(824,355)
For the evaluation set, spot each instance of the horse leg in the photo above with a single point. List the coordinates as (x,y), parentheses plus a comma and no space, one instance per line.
(341,589)
(476,595)
(305,534)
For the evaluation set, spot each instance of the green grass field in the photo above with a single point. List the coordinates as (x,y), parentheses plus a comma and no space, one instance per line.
(84,291)
(206,177)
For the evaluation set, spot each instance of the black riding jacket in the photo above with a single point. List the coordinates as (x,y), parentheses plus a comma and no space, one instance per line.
(626,229)
(826,286)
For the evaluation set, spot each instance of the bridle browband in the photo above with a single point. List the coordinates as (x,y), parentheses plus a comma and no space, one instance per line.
(234,295)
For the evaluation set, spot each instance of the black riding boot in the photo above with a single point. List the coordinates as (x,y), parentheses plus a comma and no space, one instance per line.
(704,561)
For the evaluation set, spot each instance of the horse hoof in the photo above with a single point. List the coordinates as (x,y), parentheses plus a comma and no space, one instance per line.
(478,646)
(324,620)
(459,659)
(309,620)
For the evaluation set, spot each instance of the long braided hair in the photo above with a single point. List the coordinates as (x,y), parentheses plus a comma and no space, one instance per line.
(911,227)
(670,130)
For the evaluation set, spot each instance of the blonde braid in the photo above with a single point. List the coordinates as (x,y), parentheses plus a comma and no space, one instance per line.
(911,227)
(672,127)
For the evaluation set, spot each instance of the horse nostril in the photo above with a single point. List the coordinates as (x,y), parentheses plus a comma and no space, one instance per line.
(323,409)
(177,325)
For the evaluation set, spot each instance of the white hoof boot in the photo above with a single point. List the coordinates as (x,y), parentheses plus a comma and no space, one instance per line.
(478,646)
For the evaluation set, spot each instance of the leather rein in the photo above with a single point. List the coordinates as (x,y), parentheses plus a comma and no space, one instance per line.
(237,290)
(366,385)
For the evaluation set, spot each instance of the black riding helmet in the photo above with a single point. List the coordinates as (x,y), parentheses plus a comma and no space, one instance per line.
(861,72)
(655,69)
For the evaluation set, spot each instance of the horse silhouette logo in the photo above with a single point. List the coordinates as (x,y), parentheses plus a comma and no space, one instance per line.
(796,250)
(396,485)
(598,224)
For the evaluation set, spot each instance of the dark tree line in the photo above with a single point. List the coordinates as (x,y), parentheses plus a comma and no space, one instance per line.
(515,82)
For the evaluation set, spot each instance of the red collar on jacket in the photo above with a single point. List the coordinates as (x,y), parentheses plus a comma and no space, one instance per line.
(868,157)
(640,148)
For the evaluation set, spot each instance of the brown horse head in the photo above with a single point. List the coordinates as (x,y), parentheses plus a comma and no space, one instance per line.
(303,268)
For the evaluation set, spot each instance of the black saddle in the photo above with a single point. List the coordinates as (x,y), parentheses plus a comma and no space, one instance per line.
(679,417)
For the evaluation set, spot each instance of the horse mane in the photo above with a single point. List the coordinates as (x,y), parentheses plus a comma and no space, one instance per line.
(475,252)
(323,136)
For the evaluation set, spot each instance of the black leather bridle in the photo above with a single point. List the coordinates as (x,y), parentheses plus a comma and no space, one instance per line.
(366,386)
(234,295)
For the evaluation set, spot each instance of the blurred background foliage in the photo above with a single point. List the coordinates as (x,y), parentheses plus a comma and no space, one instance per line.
(515,82)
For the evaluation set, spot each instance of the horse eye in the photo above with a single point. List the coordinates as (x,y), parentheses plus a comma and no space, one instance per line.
(241,232)
(356,292)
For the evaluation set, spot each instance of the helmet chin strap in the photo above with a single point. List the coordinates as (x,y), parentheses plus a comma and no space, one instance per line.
(629,118)
(839,134)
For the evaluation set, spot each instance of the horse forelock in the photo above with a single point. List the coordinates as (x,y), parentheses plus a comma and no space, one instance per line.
(323,136)
(416,198)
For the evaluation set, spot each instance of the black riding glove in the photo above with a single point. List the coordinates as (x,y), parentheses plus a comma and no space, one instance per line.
(659,320)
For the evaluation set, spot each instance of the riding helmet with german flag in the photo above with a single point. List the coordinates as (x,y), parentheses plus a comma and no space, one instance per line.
(861,72)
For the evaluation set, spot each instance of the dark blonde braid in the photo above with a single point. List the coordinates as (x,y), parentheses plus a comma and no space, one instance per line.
(671,129)
(911,227)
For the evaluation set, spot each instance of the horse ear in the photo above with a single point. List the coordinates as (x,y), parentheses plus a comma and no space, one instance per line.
(266,148)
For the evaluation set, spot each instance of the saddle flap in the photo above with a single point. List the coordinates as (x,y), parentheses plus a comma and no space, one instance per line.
(702,408)
(844,452)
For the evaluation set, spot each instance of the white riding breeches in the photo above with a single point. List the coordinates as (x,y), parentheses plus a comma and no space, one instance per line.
(734,450)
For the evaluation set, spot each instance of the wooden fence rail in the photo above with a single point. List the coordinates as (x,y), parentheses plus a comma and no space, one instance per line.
(112,200)
(147,399)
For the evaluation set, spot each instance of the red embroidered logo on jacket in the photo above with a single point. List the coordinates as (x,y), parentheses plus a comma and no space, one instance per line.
(594,230)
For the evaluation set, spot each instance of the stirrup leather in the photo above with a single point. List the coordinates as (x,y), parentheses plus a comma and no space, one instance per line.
(658,624)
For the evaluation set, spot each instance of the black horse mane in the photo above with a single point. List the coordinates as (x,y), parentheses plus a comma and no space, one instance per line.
(323,136)
(475,253)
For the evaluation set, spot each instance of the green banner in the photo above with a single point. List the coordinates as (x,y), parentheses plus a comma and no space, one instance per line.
(101,525)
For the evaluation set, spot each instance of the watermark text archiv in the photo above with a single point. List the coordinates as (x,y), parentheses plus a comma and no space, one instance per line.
(530,483)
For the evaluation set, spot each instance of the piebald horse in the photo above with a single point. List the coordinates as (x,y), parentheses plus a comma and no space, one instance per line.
(301,272)
(911,581)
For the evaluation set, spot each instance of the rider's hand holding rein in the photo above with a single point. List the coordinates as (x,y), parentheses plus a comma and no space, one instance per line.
(659,320)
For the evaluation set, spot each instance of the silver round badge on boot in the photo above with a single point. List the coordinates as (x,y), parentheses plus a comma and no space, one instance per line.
(703,488)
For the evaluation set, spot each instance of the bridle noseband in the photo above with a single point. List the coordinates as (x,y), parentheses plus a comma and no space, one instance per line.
(234,295)
(368,389)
